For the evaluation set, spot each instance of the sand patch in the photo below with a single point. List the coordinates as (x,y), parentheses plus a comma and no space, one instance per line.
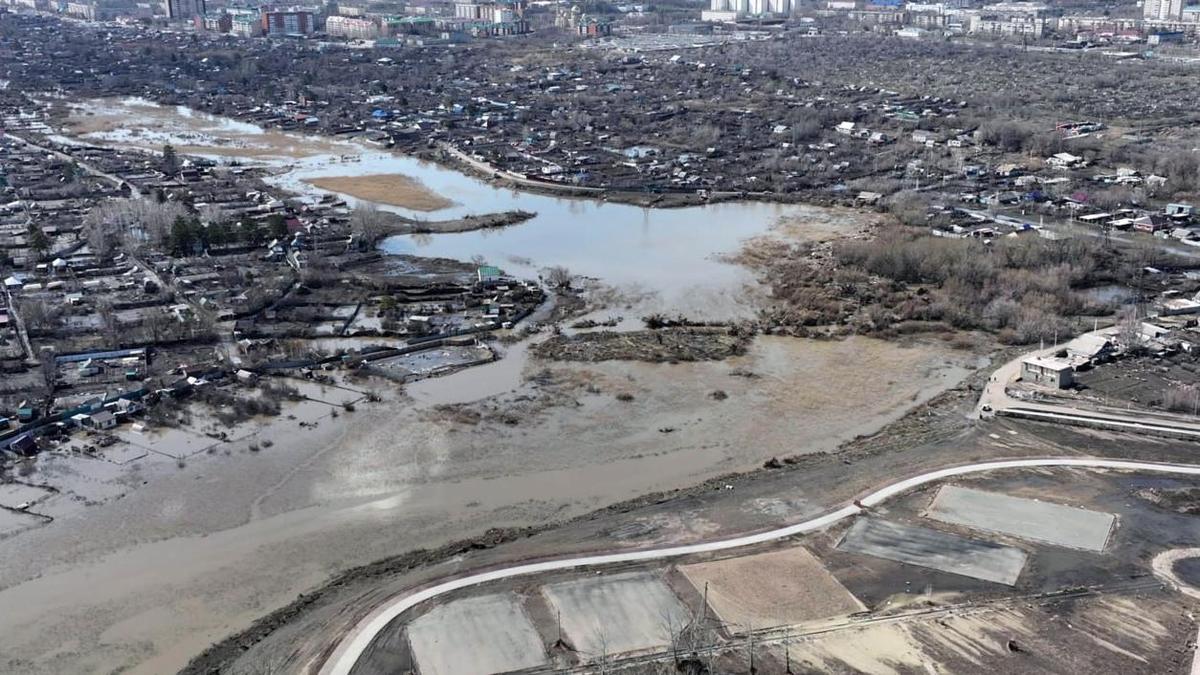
(386,188)
(822,224)
(771,589)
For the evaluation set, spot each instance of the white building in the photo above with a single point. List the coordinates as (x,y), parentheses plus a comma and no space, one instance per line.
(352,28)
(1162,10)
(731,10)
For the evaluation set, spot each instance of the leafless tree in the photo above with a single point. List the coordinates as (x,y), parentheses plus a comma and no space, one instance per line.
(367,222)
(111,224)
(49,368)
(559,277)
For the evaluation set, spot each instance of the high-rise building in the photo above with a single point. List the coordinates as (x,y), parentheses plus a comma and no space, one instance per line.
(184,10)
(1162,10)
(278,22)
(728,10)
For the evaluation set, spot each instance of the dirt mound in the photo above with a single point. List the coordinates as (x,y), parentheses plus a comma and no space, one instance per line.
(656,346)
(1184,500)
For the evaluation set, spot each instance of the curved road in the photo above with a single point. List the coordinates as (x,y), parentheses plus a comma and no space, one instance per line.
(351,648)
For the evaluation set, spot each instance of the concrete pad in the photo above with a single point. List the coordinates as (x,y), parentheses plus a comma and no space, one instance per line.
(771,589)
(935,550)
(1025,518)
(475,636)
(606,615)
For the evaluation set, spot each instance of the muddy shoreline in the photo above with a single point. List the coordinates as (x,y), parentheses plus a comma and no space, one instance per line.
(649,199)
(467,223)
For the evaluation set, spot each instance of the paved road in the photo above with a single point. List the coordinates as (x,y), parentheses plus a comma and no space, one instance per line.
(342,661)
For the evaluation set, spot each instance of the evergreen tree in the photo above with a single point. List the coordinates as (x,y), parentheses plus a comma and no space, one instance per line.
(38,241)
(170,161)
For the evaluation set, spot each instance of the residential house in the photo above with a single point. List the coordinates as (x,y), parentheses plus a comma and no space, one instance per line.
(1065,160)
(1151,222)
(1090,348)
(23,445)
(102,420)
(1048,371)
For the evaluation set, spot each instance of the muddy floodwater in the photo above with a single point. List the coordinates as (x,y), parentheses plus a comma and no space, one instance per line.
(193,551)
(662,260)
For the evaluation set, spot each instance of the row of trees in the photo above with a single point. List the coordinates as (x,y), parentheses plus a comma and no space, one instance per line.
(189,236)
(113,225)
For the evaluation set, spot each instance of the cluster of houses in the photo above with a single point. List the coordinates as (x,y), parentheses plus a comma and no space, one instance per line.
(1157,336)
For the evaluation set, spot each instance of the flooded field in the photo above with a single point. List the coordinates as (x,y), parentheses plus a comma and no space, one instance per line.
(140,123)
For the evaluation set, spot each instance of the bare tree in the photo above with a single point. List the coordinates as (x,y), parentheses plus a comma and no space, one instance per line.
(112,223)
(49,368)
(40,317)
(368,223)
(1129,330)
(559,277)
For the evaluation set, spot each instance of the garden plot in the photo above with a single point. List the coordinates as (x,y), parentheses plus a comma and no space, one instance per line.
(1025,518)
(16,495)
(172,442)
(476,636)
(12,522)
(327,393)
(605,615)
(434,361)
(936,550)
(771,589)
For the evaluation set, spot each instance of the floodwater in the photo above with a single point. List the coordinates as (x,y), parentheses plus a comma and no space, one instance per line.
(1111,294)
(669,260)
(193,551)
